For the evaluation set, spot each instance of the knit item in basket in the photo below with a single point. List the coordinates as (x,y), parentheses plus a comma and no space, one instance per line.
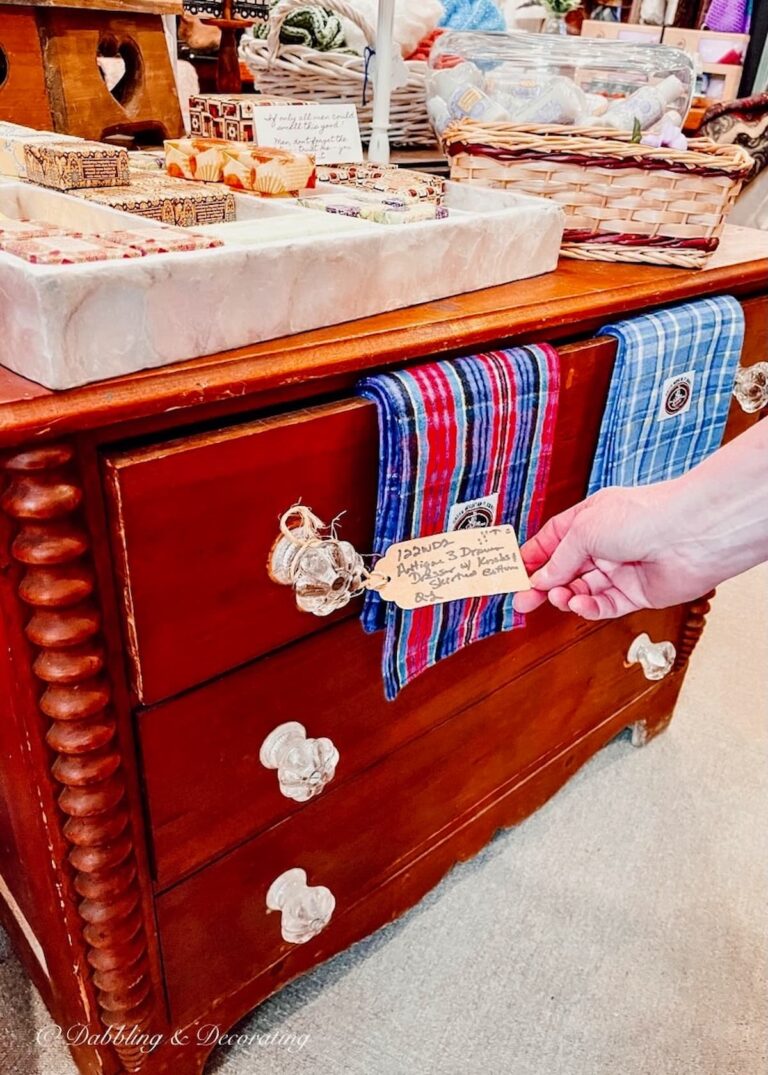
(623,201)
(463,442)
(670,392)
(384,179)
(472,15)
(312,27)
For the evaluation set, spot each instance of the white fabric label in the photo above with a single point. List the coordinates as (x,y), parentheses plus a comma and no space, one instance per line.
(474,514)
(676,395)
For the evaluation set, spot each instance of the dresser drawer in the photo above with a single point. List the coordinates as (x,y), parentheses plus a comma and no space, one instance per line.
(194,520)
(207,789)
(214,928)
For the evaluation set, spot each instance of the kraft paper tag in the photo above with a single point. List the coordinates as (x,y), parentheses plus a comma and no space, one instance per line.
(451,567)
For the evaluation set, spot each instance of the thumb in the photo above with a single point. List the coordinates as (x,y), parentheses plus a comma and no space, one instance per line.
(566,562)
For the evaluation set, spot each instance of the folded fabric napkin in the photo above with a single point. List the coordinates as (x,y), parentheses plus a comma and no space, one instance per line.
(464,442)
(670,391)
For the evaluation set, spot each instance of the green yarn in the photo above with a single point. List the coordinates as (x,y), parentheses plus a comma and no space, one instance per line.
(313,27)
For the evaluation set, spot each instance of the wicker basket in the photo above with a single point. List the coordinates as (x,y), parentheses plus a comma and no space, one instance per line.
(306,73)
(623,201)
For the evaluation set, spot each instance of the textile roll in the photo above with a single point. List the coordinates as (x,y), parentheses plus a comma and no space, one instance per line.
(463,442)
(670,392)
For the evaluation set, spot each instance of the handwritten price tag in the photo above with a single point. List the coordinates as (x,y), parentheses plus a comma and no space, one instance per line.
(451,567)
(329,132)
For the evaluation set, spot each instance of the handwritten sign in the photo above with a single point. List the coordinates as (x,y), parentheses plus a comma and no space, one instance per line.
(450,567)
(329,132)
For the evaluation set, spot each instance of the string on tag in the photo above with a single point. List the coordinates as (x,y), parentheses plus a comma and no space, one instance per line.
(368,55)
(324,572)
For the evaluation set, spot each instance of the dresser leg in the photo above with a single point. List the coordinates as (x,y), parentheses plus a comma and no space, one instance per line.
(643,731)
(99,878)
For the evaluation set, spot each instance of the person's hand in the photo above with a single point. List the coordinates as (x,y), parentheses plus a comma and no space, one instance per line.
(618,551)
(657,545)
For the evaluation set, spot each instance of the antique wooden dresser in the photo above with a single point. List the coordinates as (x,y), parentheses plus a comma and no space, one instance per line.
(161,866)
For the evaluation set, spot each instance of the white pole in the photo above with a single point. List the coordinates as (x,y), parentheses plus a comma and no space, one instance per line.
(378,150)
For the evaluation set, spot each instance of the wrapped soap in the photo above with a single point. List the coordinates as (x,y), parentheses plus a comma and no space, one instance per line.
(384,179)
(67,250)
(271,172)
(28,229)
(274,229)
(75,165)
(168,201)
(164,240)
(388,210)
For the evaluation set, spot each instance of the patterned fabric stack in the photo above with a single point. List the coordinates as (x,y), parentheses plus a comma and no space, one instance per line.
(670,391)
(464,442)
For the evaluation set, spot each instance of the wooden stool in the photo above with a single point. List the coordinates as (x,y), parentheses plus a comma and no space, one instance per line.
(50,78)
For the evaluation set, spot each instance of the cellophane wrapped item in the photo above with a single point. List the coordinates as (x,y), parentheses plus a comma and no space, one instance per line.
(261,169)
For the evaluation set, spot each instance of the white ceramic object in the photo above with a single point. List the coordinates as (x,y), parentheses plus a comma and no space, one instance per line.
(69,325)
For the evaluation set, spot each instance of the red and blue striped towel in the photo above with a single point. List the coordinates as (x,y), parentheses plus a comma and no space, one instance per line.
(467,437)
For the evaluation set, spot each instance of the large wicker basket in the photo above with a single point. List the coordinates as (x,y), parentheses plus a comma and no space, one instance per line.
(311,75)
(623,201)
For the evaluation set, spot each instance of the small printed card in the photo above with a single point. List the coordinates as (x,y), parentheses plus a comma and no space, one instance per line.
(329,132)
(451,567)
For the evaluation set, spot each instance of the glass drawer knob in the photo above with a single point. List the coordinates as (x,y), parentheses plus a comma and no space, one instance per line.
(304,766)
(656,659)
(305,910)
(751,387)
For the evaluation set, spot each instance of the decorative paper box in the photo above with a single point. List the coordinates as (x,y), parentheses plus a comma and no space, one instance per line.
(219,115)
(168,200)
(75,166)
(12,140)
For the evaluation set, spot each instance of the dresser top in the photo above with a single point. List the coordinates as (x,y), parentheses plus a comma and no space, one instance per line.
(573,300)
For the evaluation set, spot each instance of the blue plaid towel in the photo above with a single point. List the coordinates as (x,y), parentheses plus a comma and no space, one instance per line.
(670,392)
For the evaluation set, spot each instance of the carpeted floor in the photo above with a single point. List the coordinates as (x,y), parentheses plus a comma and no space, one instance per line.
(620,931)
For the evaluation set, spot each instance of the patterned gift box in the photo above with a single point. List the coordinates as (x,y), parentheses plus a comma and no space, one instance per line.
(168,201)
(229,116)
(74,166)
(241,9)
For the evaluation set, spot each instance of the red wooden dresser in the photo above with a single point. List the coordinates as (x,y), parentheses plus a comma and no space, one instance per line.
(163,868)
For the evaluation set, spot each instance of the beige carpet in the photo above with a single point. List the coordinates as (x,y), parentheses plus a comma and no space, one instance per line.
(620,931)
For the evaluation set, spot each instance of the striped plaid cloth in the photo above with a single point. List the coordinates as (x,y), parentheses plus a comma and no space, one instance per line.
(463,442)
(670,392)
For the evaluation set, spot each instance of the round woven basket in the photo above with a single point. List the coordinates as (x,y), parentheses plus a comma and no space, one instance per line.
(340,77)
(623,201)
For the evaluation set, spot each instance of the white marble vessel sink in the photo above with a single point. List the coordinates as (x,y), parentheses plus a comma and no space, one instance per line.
(68,325)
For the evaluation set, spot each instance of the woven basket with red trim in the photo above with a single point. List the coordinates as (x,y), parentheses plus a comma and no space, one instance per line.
(623,201)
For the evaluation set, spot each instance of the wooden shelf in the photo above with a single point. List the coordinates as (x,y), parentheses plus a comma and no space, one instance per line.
(145,7)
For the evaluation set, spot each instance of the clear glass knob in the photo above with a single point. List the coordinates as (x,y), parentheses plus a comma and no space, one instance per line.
(305,910)
(656,659)
(751,387)
(304,766)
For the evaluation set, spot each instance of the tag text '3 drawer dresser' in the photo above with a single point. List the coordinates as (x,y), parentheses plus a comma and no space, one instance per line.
(178,837)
